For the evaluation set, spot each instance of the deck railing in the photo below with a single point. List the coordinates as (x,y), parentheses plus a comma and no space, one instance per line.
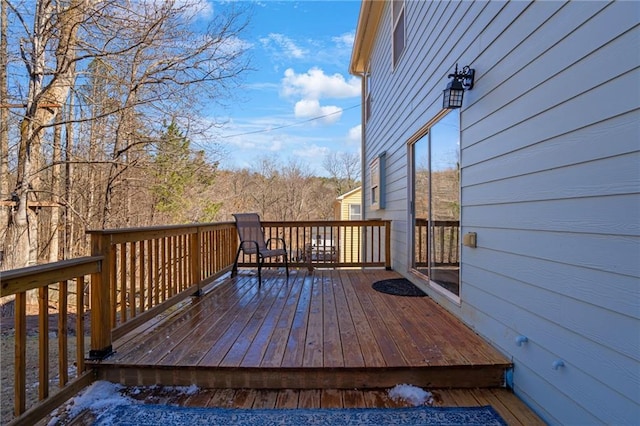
(445,244)
(135,274)
(330,244)
(66,280)
(148,270)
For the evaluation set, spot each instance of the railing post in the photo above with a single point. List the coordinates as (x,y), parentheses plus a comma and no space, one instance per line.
(387,245)
(101,345)
(196,260)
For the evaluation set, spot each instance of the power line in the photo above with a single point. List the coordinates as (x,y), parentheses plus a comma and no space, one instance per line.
(291,125)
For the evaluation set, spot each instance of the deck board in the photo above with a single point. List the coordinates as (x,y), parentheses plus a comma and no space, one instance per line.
(326,329)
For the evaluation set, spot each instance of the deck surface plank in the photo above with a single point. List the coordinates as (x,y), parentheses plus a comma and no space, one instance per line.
(313,356)
(294,351)
(246,329)
(351,350)
(367,343)
(390,351)
(278,343)
(221,338)
(325,319)
(332,343)
(259,343)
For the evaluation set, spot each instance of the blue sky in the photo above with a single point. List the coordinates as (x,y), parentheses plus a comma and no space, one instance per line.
(300,51)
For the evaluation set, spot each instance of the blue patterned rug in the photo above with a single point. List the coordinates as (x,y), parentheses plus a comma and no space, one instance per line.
(156,415)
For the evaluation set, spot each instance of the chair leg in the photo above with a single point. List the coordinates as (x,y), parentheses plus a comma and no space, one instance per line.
(260,260)
(286,264)
(234,270)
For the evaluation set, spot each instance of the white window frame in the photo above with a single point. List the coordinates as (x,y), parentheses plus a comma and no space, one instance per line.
(377,181)
(367,101)
(352,214)
(399,32)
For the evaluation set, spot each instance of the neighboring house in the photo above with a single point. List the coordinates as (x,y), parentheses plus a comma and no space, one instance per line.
(541,164)
(348,206)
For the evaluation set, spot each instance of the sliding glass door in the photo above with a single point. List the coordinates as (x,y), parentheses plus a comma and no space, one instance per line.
(436,204)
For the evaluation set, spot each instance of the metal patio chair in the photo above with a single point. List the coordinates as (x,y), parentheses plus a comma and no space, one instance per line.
(252,243)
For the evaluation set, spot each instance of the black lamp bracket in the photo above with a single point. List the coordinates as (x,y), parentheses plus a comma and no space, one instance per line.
(465,76)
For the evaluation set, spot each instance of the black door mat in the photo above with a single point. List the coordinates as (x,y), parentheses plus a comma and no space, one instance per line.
(398,287)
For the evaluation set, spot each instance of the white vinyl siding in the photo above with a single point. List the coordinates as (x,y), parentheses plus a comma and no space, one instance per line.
(550,183)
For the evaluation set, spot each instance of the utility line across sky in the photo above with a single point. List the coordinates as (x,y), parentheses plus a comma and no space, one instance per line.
(293,124)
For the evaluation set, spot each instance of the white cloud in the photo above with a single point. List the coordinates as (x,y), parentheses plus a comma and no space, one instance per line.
(287,46)
(345,41)
(310,108)
(354,136)
(313,151)
(315,84)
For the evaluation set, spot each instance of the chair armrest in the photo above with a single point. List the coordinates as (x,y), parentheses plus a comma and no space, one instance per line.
(284,244)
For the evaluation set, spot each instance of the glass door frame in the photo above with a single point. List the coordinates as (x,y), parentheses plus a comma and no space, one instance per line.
(425,134)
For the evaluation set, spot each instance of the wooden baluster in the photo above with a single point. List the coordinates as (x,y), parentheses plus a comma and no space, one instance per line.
(196,276)
(157,276)
(112,284)
(387,245)
(43,338)
(150,274)
(142,279)
(63,359)
(132,280)
(163,268)
(174,264)
(123,283)
(80,325)
(20,368)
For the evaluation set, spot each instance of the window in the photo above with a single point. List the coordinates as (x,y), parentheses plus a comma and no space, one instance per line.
(355,212)
(398,41)
(377,180)
(367,101)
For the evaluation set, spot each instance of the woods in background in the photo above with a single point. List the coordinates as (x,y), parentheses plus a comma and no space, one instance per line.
(100,101)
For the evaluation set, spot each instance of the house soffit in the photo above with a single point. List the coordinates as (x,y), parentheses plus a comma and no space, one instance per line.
(368,21)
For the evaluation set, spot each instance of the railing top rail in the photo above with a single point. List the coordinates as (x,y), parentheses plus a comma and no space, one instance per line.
(367,222)
(23,279)
(438,222)
(186,226)
(122,235)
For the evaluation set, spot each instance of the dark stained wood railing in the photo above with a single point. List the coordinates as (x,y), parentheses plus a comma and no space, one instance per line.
(330,243)
(135,274)
(445,244)
(67,280)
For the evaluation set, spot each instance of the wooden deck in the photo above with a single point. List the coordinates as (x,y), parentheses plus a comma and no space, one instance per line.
(318,340)
(323,330)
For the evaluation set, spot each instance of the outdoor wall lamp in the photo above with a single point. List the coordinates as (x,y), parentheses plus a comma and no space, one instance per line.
(453,94)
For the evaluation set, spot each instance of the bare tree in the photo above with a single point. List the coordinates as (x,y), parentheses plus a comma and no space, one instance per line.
(4,129)
(142,64)
(343,169)
(54,29)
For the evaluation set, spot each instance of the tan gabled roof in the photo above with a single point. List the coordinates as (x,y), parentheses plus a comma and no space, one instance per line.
(368,21)
(349,193)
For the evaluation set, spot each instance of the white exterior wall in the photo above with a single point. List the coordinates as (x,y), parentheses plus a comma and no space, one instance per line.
(550,138)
